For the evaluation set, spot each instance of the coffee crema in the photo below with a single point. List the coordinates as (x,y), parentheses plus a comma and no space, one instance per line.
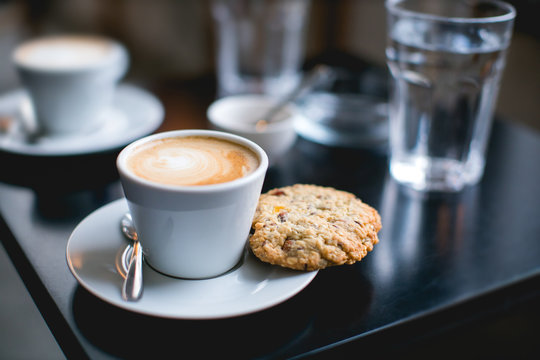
(191,161)
(65,52)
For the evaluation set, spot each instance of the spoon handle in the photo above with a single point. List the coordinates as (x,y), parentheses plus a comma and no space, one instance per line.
(308,81)
(133,284)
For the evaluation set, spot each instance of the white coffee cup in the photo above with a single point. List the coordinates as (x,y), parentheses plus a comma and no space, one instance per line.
(239,115)
(190,231)
(70,79)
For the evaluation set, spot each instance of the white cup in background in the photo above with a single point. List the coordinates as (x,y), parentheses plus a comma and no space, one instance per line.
(189,226)
(70,79)
(239,115)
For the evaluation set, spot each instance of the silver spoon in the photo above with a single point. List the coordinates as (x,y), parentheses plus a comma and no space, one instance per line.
(306,83)
(133,283)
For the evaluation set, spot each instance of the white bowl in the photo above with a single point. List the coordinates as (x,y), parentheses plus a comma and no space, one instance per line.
(238,115)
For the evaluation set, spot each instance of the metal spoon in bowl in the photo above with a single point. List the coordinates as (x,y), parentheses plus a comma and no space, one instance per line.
(306,83)
(133,283)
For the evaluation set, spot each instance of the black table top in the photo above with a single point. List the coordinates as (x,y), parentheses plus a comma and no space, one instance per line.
(441,257)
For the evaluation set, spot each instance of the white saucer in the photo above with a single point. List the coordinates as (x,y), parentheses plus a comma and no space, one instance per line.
(95,253)
(134,113)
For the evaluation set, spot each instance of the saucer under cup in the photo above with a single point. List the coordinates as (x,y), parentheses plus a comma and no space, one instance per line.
(94,256)
(133,113)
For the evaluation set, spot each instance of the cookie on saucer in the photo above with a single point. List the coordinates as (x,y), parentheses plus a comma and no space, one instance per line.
(310,227)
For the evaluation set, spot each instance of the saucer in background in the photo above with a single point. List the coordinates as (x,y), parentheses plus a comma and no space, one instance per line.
(134,113)
(346,109)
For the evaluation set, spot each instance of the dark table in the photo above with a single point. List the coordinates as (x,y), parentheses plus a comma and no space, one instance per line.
(443,261)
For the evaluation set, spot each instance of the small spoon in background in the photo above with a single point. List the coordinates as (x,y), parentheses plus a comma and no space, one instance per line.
(307,82)
(133,283)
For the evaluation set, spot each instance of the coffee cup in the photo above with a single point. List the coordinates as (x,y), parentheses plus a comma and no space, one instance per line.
(70,80)
(192,195)
(239,115)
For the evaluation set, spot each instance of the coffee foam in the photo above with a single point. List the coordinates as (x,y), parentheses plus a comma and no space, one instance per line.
(65,52)
(191,161)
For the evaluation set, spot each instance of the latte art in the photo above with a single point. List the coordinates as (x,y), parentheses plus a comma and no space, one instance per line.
(190,161)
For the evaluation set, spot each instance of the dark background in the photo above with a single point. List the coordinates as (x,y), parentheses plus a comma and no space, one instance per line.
(170,39)
(171,42)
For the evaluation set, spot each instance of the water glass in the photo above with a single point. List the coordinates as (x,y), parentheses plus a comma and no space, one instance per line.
(446,60)
(259,45)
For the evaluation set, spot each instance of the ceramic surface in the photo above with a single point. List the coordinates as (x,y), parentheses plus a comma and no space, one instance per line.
(95,257)
(239,114)
(133,113)
(192,231)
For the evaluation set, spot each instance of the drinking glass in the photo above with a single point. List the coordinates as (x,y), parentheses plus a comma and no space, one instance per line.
(446,58)
(260,45)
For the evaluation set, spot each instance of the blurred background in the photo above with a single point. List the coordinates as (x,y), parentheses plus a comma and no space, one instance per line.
(171,40)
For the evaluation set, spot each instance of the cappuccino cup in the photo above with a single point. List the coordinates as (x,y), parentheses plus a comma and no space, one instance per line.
(70,80)
(192,195)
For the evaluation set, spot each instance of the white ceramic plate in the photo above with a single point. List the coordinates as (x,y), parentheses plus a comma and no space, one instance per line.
(95,253)
(134,113)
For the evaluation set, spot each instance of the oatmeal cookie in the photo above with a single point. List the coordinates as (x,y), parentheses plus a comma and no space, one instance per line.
(310,227)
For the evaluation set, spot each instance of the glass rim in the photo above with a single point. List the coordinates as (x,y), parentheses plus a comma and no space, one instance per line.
(510,14)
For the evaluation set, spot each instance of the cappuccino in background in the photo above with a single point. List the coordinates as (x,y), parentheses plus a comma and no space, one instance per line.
(71,81)
(67,52)
(191,161)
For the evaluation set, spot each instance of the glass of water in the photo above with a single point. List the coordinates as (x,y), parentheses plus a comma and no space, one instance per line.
(446,58)
(259,45)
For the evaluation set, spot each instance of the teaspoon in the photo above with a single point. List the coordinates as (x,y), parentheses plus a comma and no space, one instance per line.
(133,283)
